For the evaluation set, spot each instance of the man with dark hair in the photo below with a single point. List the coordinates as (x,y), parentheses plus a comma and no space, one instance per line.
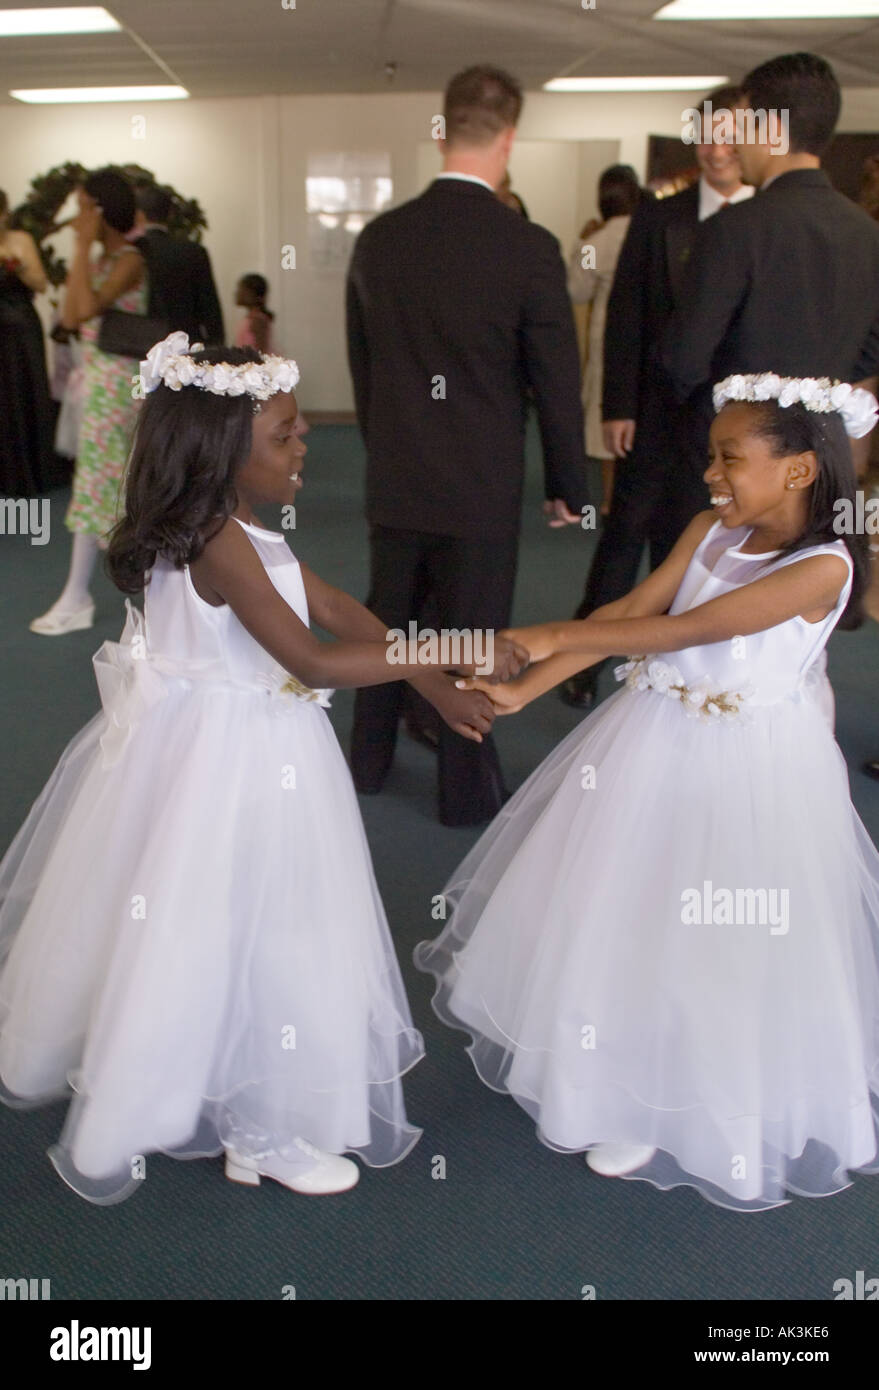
(803,85)
(656,490)
(455,307)
(154,204)
(180,280)
(788,282)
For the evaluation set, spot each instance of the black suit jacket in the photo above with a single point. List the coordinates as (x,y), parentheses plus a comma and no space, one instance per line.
(454,285)
(649,278)
(181,286)
(786,282)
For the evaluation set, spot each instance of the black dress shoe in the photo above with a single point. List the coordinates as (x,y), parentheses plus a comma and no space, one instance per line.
(872,769)
(368,778)
(467,820)
(579,691)
(468,816)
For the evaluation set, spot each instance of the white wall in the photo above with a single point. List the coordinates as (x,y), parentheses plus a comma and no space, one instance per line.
(556,179)
(210,150)
(245,161)
(311,304)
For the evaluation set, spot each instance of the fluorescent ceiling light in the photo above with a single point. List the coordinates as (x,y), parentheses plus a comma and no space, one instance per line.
(769,9)
(633,84)
(63,94)
(89,19)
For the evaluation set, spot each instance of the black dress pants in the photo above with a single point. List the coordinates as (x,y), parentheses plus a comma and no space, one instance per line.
(658,489)
(470,585)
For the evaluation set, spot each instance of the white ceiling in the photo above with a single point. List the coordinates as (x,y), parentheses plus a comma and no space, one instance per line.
(251,47)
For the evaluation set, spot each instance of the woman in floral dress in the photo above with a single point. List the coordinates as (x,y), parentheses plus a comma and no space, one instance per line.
(116,280)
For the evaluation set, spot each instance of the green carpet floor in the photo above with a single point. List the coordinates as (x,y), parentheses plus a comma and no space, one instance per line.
(511,1219)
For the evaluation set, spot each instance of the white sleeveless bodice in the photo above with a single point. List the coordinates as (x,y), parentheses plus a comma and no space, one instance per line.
(187,636)
(776,663)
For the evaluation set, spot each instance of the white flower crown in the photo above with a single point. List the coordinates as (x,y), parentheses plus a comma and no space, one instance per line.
(170,361)
(858,408)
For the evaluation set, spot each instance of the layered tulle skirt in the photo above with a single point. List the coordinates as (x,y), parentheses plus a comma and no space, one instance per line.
(670,937)
(193,943)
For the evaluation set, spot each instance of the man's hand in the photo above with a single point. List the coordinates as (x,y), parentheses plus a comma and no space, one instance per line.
(509,659)
(558,514)
(619,437)
(469,713)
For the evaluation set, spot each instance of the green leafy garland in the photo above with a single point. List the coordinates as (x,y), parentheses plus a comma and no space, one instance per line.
(49,192)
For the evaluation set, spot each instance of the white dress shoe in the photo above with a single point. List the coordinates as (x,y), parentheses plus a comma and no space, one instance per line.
(56,623)
(613,1160)
(328,1173)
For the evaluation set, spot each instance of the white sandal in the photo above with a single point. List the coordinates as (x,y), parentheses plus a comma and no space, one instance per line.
(55,624)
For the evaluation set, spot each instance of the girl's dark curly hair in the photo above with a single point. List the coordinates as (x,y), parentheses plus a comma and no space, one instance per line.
(180,479)
(795,430)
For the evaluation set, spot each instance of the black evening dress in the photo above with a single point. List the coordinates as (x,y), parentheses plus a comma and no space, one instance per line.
(27,459)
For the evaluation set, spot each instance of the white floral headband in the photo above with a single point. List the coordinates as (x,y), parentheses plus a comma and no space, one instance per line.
(170,362)
(858,408)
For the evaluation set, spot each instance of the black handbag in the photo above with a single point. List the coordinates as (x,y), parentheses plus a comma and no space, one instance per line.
(130,335)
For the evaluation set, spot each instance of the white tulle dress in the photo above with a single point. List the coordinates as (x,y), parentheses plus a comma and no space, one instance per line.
(670,935)
(193,938)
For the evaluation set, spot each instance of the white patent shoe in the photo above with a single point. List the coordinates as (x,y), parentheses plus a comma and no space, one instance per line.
(614,1160)
(328,1173)
(55,624)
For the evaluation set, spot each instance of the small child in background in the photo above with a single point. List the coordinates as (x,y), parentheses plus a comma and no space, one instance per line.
(255,328)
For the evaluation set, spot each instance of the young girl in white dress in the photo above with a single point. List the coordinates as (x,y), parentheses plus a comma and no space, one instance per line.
(666,945)
(192,933)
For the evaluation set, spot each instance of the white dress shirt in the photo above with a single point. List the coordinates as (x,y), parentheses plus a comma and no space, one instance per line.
(468,178)
(710,201)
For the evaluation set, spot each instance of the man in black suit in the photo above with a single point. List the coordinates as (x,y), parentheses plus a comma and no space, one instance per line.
(788,282)
(654,497)
(180,282)
(455,307)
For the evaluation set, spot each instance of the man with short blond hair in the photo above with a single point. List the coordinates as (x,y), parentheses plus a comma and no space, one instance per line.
(457,308)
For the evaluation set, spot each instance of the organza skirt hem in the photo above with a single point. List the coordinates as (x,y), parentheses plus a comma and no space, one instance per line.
(783,1173)
(193,943)
(745,1052)
(221,1128)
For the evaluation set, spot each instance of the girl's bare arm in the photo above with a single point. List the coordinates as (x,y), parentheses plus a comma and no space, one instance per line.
(230,569)
(808,586)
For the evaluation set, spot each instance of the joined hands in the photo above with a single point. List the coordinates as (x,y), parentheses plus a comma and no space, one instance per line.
(510,657)
(469,705)
(511,696)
